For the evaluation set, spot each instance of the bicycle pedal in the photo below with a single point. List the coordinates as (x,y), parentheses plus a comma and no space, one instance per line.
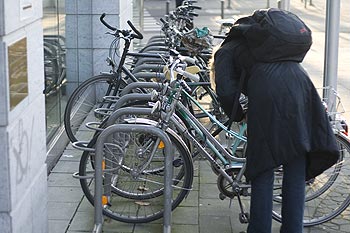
(222,196)
(178,162)
(244,218)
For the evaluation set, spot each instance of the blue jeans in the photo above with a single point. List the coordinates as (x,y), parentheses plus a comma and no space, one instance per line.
(293,199)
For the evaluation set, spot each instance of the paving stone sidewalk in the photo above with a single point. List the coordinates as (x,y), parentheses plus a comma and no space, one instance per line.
(202,211)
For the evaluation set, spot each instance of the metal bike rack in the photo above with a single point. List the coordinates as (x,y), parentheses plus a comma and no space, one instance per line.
(131,86)
(119,102)
(106,133)
(112,128)
(129,110)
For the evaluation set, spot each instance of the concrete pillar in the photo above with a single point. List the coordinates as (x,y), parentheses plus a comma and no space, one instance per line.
(23,172)
(331,49)
(86,40)
(284,4)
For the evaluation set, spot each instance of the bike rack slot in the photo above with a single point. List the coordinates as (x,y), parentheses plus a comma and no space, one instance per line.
(135,85)
(94,125)
(111,98)
(103,137)
(82,145)
(76,176)
(103,111)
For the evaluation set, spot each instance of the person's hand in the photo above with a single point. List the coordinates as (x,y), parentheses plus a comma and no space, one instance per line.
(245,118)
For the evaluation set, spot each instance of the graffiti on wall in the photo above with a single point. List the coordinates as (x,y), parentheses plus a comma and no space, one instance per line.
(21,146)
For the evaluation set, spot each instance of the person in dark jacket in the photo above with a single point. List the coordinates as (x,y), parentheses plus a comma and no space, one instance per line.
(287,125)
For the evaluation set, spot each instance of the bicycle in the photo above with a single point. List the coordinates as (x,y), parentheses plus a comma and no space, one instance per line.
(229,166)
(89,95)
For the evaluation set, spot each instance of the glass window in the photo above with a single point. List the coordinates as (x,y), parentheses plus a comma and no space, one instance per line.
(54,62)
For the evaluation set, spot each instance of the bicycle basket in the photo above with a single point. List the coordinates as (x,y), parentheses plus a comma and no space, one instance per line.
(197,39)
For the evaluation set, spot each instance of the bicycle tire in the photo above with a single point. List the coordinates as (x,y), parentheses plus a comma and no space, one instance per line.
(129,210)
(156,170)
(334,198)
(172,129)
(84,99)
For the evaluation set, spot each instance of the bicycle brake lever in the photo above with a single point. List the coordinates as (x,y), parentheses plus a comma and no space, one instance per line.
(156,107)
(154,95)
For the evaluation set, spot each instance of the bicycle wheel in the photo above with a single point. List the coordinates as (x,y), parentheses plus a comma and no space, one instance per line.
(327,195)
(136,194)
(87,97)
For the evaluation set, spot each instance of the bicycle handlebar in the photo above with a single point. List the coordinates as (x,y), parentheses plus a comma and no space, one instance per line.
(187,59)
(193,77)
(193,14)
(196,7)
(105,23)
(138,34)
(165,24)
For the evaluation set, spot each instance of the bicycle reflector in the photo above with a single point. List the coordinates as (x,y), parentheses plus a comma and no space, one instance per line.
(161,145)
(345,127)
(104,200)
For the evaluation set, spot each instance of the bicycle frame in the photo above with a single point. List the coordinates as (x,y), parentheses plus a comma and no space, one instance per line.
(206,138)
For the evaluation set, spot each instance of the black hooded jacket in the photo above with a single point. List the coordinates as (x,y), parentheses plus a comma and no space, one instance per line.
(228,71)
(286,118)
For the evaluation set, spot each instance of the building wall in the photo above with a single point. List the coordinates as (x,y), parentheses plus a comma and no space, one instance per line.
(23,173)
(86,40)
